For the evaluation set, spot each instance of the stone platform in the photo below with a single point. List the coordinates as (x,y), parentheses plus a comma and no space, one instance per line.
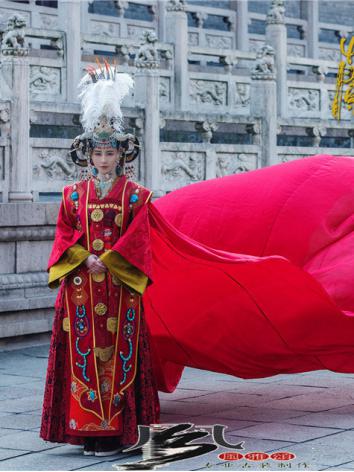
(309,414)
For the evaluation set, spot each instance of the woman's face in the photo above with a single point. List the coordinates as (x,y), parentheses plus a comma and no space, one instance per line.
(105,159)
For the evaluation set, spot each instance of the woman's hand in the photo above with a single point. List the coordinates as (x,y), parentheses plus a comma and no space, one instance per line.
(95,265)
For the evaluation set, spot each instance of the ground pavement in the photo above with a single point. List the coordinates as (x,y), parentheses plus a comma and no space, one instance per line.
(310,415)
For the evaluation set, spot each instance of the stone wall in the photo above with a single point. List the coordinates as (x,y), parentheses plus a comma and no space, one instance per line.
(221,87)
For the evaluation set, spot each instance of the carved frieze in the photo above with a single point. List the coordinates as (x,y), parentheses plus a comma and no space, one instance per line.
(208,92)
(180,168)
(305,100)
(44,80)
(231,163)
(53,164)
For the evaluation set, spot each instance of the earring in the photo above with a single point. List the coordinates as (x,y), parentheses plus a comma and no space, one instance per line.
(94,171)
(119,169)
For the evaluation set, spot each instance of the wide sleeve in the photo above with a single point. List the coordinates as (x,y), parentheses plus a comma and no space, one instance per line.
(130,259)
(66,253)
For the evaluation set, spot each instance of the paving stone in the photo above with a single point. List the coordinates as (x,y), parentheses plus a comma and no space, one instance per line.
(7,432)
(20,421)
(324,419)
(27,441)
(231,425)
(181,393)
(330,450)
(191,409)
(9,380)
(285,432)
(9,453)
(342,410)
(25,404)
(258,414)
(228,399)
(60,460)
(311,402)
(21,391)
(271,391)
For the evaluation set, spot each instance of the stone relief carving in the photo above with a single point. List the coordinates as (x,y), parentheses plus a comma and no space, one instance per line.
(45,80)
(180,167)
(218,42)
(296,50)
(125,52)
(135,31)
(2,163)
(344,112)
(193,39)
(208,92)
(4,115)
(320,71)
(58,44)
(13,40)
(48,21)
(121,6)
(316,132)
(292,157)
(242,95)
(53,164)
(200,16)
(147,54)
(306,100)
(104,28)
(227,163)
(176,5)
(276,13)
(264,68)
(329,54)
(164,89)
(255,44)
(206,129)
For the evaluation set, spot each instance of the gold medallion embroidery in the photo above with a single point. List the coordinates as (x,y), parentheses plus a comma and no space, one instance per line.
(118,219)
(97,215)
(98,244)
(112,324)
(104,353)
(99,277)
(100,309)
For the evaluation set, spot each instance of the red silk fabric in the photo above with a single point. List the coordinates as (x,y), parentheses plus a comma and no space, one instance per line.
(255,277)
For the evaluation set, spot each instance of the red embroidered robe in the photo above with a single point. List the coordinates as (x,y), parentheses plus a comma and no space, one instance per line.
(100,379)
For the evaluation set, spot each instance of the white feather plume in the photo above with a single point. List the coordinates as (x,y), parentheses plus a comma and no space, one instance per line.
(103,98)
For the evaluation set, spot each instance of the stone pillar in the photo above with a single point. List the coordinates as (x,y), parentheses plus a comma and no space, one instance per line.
(147,98)
(84,13)
(161,18)
(263,103)
(70,21)
(277,39)
(241,7)
(309,11)
(177,27)
(15,74)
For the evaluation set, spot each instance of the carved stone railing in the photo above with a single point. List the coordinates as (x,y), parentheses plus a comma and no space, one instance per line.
(36,16)
(206,104)
(311,94)
(202,35)
(119,26)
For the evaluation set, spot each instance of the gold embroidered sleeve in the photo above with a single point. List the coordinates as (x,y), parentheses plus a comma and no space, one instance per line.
(72,258)
(123,270)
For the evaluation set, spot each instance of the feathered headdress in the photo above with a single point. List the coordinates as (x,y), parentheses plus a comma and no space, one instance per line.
(101,92)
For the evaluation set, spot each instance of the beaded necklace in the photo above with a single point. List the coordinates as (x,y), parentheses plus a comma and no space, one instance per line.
(103,184)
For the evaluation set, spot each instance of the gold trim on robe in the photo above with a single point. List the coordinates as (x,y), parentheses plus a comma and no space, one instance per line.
(72,258)
(126,272)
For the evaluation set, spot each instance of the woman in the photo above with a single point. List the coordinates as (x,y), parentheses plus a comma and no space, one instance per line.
(100,384)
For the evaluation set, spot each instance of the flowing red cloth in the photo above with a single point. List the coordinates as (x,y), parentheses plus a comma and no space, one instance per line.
(255,277)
